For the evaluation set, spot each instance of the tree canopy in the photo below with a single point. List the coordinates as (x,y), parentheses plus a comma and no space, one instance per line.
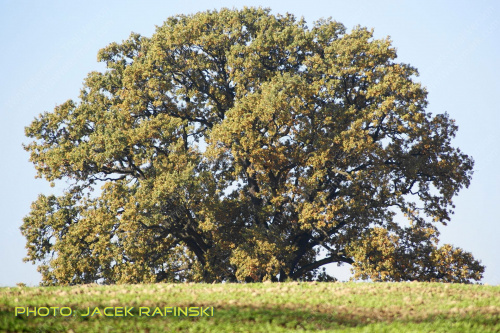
(238,145)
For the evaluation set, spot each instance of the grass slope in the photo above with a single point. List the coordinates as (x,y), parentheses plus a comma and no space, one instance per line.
(273,307)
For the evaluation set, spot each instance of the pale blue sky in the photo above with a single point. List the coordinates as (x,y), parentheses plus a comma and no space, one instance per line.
(48,47)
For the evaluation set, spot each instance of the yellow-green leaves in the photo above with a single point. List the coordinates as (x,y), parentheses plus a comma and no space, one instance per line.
(411,254)
(239,145)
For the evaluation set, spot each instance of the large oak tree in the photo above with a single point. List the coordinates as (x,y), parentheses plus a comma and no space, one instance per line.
(236,145)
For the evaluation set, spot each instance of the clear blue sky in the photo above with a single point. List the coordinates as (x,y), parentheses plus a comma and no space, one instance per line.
(48,47)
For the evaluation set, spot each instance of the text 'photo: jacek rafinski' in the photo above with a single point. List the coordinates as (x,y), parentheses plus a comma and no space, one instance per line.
(117,311)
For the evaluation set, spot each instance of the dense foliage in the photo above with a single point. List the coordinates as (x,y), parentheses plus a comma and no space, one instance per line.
(236,145)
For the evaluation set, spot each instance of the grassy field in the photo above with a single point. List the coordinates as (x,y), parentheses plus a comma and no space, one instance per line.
(268,307)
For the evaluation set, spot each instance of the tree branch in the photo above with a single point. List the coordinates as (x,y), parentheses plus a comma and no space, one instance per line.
(319,263)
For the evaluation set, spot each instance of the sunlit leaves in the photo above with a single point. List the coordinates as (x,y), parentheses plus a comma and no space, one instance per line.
(239,145)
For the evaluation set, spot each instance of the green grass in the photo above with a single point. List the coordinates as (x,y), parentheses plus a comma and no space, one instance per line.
(273,307)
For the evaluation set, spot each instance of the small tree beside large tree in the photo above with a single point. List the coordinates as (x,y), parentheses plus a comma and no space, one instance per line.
(237,145)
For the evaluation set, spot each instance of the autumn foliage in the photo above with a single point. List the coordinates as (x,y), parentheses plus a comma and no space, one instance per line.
(236,145)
